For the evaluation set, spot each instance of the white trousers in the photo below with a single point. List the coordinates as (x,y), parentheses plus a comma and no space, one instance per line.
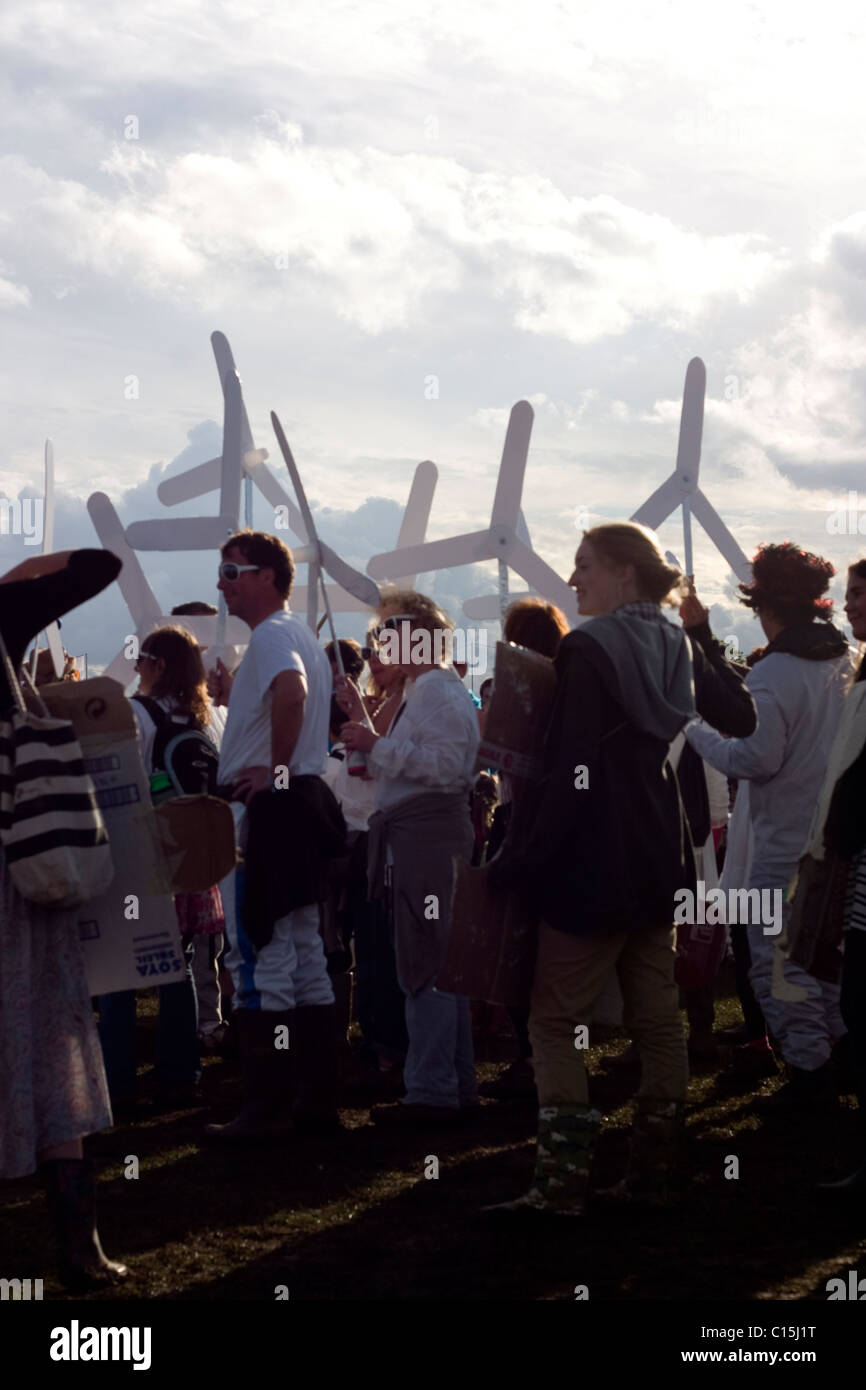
(290,970)
(801,1012)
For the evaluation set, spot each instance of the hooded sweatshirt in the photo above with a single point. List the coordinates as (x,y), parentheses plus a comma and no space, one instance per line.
(610,846)
(799,689)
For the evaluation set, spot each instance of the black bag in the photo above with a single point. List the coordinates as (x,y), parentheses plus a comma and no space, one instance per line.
(818,897)
(182,751)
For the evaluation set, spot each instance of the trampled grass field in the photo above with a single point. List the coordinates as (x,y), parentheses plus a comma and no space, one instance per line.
(358,1219)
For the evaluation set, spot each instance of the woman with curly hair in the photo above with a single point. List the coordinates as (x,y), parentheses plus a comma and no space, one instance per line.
(424,769)
(799,687)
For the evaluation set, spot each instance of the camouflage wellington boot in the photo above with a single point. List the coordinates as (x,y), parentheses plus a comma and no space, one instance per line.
(655,1145)
(566,1138)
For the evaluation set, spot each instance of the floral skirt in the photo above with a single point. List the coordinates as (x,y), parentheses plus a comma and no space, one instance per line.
(52,1080)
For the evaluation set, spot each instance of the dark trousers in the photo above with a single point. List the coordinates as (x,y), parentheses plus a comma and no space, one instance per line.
(752,1015)
(380,1006)
(178,1063)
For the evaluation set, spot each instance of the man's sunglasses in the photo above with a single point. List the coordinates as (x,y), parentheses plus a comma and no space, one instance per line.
(229,570)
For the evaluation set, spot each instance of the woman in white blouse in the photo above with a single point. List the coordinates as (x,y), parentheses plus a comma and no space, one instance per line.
(423,768)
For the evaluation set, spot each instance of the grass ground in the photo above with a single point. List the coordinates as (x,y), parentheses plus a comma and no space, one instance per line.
(358,1219)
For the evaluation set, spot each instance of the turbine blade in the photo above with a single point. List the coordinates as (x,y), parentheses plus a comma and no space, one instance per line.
(120,669)
(413,527)
(509,484)
(352,580)
(541,577)
(181,533)
(195,482)
(448,554)
(721,537)
(691,426)
(339,599)
(233,450)
(659,505)
(132,582)
(204,628)
(226,367)
(484,607)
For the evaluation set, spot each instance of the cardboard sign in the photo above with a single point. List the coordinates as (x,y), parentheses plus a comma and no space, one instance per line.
(129,934)
(492,942)
(524,686)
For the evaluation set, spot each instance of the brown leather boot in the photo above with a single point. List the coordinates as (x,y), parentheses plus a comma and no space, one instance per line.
(268,1072)
(316,1059)
(71,1194)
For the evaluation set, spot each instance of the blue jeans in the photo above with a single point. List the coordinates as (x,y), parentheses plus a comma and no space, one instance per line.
(440,1064)
(178,1063)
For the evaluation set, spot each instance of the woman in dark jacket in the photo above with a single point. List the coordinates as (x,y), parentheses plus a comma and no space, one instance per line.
(608,852)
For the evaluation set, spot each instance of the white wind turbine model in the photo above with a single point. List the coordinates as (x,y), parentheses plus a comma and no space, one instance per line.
(355,591)
(489,607)
(144,608)
(681,488)
(52,632)
(500,541)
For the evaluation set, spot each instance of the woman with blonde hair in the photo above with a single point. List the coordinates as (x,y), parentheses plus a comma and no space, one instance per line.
(607,853)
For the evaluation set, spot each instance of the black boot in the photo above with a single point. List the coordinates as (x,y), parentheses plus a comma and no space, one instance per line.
(71,1194)
(805,1093)
(316,1059)
(268,1071)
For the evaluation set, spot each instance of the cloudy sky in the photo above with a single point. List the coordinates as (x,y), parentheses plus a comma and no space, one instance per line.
(559,202)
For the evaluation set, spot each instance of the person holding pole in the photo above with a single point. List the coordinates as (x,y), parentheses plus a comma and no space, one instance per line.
(272,757)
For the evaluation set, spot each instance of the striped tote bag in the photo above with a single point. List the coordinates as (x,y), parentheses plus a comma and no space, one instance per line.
(52,833)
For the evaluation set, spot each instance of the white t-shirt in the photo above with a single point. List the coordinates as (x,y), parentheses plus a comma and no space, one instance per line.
(281,643)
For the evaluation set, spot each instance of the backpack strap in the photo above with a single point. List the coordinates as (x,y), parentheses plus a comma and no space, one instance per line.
(167,725)
(153,707)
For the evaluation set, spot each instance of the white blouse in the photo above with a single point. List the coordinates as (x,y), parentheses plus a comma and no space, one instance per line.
(432,744)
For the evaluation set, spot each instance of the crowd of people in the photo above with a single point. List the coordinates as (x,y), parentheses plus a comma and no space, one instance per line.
(355,784)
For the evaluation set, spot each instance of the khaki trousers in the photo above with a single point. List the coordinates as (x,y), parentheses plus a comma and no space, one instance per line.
(570,974)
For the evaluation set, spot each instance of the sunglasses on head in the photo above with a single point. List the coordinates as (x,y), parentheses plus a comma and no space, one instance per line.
(374,635)
(230,570)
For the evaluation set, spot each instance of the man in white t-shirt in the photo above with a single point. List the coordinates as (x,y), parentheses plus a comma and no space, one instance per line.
(271,760)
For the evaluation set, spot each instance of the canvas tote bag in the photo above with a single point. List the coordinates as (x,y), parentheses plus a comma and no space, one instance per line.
(52,833)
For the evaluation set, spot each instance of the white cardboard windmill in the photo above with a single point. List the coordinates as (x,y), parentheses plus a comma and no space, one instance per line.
(144,607)
(354,592)
(503,540)
(681,488)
